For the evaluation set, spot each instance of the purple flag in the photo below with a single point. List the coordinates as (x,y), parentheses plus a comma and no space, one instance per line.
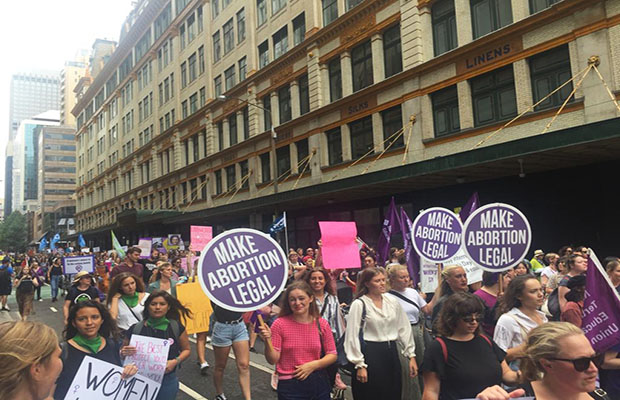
(412,257)
(601,308)
(389,226)
(472,204)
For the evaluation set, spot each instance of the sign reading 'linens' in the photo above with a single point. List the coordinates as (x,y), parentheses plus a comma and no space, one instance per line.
(495,52)
(243,269)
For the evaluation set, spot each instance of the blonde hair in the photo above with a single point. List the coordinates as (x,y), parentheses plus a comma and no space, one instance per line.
(22,344)
(161,265)
(544,342)
(392,269)
(445,289)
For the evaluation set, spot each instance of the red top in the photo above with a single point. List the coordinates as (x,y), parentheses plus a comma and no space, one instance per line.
(137,269)
(299,343)
(572,313)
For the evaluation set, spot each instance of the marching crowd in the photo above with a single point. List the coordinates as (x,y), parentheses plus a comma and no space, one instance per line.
(514,333)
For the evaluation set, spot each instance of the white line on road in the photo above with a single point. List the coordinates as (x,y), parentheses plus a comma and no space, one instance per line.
(53,309)
(190,392)
(231,355)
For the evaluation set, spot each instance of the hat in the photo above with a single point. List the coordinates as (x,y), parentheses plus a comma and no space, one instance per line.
(576,281)
(80,275)
(539,253)
(306,258)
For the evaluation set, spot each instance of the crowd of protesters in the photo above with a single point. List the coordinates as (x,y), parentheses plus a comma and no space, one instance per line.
(513,333)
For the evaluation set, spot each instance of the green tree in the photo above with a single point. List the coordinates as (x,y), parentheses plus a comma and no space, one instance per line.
(13,233)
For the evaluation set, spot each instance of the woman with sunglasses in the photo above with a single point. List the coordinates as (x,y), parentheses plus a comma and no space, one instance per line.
(461,362)
(519,314)
(561,364)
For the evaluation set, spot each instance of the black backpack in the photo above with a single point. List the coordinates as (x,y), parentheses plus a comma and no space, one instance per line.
(553,304)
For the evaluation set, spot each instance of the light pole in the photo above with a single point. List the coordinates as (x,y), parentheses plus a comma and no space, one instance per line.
(272,138)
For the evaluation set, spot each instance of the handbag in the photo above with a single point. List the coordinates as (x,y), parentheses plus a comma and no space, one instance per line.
(426,332)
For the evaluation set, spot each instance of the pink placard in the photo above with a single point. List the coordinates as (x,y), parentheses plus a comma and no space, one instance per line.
(339,249)
(200,236)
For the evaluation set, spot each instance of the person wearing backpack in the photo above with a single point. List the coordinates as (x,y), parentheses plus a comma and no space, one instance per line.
(25,285)
(90,331)
(462,362)
(162,319)
(576,264)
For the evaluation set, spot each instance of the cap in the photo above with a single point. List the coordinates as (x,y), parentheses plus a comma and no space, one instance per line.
(80,275)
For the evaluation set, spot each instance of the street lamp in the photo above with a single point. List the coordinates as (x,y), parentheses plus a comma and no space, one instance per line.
(273,137)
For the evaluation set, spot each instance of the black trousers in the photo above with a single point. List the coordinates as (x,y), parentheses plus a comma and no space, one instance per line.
(384,380)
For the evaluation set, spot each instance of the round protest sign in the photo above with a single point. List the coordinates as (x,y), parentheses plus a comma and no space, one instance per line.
(242,269)
(436,234)
(497,237)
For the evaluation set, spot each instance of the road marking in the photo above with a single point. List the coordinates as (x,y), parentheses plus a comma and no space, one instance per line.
(190,392)
(231,355)
(53,309)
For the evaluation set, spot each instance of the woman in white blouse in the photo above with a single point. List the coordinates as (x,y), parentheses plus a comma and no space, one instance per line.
(371,345)
(126,299)
(519,309)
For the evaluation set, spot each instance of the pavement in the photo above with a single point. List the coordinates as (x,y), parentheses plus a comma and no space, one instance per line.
(193,384)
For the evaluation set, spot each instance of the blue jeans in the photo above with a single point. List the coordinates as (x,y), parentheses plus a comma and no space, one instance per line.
(314,387)
(169,387)
(54,283)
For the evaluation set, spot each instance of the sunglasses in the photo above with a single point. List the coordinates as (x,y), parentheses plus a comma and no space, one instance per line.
(471,318)
(583,363)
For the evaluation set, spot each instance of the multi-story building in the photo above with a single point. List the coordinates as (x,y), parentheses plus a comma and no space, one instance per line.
(31,94)
(227,112)
(26,161)
(70,75)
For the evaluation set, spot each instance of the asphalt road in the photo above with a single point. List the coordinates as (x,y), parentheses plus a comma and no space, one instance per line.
(193,385)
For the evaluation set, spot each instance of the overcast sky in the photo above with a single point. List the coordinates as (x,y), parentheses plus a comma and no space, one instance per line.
(43,34)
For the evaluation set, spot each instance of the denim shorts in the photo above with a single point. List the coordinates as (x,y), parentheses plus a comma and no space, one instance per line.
(225,334)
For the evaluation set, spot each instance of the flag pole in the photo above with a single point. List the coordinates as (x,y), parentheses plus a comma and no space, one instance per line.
(285,234)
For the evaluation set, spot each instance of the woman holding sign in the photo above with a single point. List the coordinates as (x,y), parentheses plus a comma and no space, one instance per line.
(126,299)
(162,319)
(303,346)
(90,331)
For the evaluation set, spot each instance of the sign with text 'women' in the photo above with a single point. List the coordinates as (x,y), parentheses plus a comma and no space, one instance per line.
(497,237)
(436,234)
(242,269)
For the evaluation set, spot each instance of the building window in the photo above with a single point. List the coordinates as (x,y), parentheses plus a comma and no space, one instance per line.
(241,25)
(215,9)
(493,96)
(283,159)
(539,5)
(218,182)
(361,66)
(231,177)
(246,122)
(183,75)
(277,5)
(192,67)
(232,129)
(335,79)
(261,7)
(392,51)
(243,69)
(193,103)
(217,84)
(199,16)
(334,146)
(191,28)
(299,29)
(201,60)
(490,15)
(446,111)
(216,47)
(267,112)
(304,94)
(444,26)
(330,11)
(284,102)
(280,42)
(302,153)
(220,135)
(203,96)
(265,167)
(244,168)
(263,54)
(361,137)
(182,36)
(229,78)
(229,36)
(184,109)
(548,71)
(393,122)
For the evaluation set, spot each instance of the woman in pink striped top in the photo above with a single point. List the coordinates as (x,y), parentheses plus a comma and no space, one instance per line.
(303,346)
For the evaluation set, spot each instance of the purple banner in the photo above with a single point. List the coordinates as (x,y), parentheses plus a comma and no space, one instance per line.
(472,205)
(410,255)
(388,228)
(601,308)
(243,270)
(436,234)
(497,237)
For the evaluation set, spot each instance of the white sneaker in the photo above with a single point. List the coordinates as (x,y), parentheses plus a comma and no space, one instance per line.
(203,368)
(208,339)
(7,308)
(221,397)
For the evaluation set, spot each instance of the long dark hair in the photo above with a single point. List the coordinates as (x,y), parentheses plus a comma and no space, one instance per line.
(513,291)
(176,310)
(366,276)
(328,280)
(456,306)
(117,283)
(285,307)
(108,328)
